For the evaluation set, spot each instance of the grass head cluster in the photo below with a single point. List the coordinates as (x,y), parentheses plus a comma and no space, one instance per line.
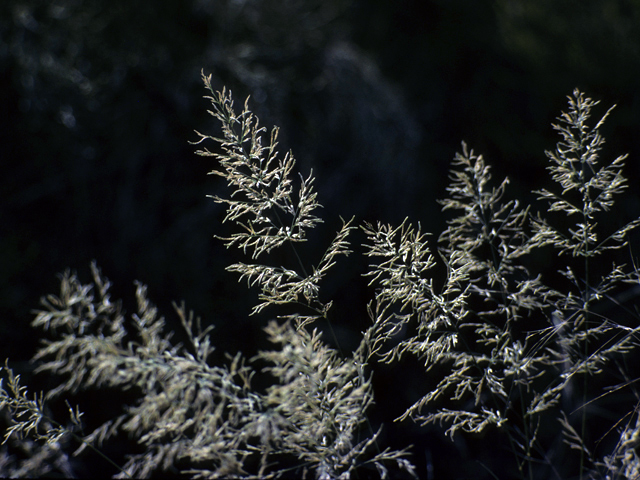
(501,348)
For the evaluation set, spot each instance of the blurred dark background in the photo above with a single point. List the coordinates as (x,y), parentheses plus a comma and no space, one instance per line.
(99,101)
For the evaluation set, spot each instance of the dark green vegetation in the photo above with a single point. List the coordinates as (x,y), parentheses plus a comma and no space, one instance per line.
(375,97)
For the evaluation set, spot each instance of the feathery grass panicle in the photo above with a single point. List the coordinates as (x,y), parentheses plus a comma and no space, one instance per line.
(479,250)
(263,205)
(575,167)
(267,209)
(187,410)
(406,293)
(500,372)
(319,405)
(35,433)
(29,416)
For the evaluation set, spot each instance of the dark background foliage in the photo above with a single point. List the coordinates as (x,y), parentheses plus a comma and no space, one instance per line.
(100,99)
